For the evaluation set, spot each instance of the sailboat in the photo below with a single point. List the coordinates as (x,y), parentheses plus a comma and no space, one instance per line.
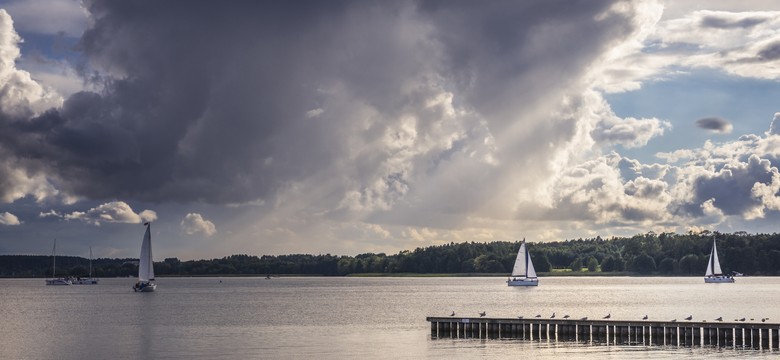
(90,280)
(146,264)
(523,274)
(56,281)
(714,274)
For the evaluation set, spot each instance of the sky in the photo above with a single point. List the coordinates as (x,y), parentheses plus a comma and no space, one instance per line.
(347,127)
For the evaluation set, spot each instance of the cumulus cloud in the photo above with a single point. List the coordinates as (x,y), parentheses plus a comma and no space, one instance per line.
(431,93)
(9,219)
(715,124)
(194,223)
(112,212)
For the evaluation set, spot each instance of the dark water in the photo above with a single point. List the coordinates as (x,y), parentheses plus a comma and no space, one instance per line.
(336,318)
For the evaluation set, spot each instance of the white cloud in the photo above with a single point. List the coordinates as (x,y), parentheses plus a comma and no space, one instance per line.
(112,212)
(9,219)
(194,223)
(22,96)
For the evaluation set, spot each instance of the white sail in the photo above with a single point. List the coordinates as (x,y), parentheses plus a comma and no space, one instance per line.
(520,269)
(145,263)
(530,272)
(713,266)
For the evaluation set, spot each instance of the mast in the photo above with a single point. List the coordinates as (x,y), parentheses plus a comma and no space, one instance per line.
(90,262)
(54,259)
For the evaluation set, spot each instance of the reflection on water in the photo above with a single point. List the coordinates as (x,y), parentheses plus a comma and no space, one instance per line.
(349,317)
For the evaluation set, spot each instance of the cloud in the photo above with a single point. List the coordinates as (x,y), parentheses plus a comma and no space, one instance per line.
(194,223)
(715,124)
(112,212)
(741,43)
(9,219)
(774,127)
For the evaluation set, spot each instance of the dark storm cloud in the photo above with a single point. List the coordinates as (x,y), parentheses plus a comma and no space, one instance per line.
(720,22)
(731,188)
(223,103)
(714,124)
(770,52)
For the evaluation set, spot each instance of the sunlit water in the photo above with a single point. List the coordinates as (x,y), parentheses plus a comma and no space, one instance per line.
(336,318)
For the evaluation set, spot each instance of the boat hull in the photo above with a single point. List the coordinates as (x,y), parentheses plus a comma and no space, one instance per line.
(58,282)
(522,282)
(86,281)
(144,287)
(718,279)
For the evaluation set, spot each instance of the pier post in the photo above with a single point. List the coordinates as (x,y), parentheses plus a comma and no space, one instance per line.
(764,338)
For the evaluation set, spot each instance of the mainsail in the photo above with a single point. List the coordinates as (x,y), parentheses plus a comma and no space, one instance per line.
(713,266)
(145,264)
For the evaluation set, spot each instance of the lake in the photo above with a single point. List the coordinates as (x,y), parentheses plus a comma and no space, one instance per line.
(337,318)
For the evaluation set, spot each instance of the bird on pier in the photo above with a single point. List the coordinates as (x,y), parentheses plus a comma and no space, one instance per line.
(482,314)
(674,320)
(719,318)
(538,315)
(644,318)
(520,317)
(553,316)
(453,313)
(764,319)
(585,318)
(743,319)
(690,317)
(751,319)
(608,316)
(566,316)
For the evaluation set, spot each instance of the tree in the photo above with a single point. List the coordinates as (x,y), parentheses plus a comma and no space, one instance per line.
(689,264)
(541,262)
(667,266)
(643,264)
(576,265)
(593,264)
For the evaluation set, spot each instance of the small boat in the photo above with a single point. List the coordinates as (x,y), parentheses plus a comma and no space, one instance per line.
(714,274)
(89,280)
(56,280)
(523,274)
(145,281)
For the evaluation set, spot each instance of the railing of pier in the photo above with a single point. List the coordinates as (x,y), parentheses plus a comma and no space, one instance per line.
(737,335)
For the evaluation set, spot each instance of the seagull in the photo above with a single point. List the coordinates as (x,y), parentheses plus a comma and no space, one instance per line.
(453,313)
(482,314)
(553,316)
(743,319)
(674,320)
(520,317)
(719,318)
(585,318)
(537,315)
(644,318)
(690,317)
(566,316)
(751,319)
(763,319)
(608,316)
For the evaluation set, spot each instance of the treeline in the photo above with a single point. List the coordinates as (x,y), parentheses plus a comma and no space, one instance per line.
(650,253)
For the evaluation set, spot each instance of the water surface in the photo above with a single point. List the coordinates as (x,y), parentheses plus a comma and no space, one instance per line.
(336,318)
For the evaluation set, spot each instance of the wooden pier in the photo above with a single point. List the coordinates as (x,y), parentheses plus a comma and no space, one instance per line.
(738,335)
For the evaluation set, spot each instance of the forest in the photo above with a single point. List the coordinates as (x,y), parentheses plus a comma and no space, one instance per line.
(667,254)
